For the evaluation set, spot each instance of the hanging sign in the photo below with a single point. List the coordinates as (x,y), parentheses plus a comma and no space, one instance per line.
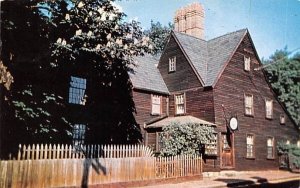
(233,124)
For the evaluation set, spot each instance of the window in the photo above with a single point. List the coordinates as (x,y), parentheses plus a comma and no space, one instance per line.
(211,147)
(156,104)
(248,104)
(287,142)
(282,119)
(247,63)
(77,90)
(270,148)
(298,143)
(250,146)
(78,134)
(269,109)
(172,64)
(179,103)
(159,141)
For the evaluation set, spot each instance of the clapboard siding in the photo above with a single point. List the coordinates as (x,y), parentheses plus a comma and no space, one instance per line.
(142,100)
(184,77)
(229,91)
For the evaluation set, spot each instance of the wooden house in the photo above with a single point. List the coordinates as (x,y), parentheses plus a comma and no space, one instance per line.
(210,82)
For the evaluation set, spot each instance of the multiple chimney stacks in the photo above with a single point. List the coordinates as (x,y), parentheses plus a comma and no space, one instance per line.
(190,20)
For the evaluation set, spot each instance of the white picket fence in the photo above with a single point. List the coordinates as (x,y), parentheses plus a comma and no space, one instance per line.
(60,151)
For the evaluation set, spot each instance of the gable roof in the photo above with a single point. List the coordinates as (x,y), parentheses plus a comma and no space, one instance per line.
(146,76)
(210,57)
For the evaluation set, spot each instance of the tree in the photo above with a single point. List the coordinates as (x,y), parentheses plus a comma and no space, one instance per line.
(96,44)
(25,113)
(43,49)
(283,74)
(181,139)
(159,34)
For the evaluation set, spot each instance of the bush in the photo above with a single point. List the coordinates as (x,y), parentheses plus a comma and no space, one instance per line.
(292,151)
(178,139)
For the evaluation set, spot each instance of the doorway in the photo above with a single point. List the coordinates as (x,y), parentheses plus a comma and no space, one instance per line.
(227,150)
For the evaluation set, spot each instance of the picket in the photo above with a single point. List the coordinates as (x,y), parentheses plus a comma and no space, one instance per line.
(60,151)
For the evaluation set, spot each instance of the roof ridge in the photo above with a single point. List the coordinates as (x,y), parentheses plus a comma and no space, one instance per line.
(230,33)
(176,32)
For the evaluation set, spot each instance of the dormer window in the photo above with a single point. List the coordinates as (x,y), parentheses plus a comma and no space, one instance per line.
(269,108)
(172,64)
(77,90)
(247,63)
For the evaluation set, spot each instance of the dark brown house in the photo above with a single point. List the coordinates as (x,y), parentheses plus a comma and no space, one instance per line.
(210,82)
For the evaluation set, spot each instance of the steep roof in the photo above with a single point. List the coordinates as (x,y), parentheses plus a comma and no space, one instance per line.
(209,57)
(146,76)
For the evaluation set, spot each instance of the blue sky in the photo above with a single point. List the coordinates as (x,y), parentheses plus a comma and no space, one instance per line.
(273,24)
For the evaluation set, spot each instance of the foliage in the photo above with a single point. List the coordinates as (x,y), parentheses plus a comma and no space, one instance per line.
(54,40)
(284,76)
(292,150)
(5,77)
(186,138)
(31,107)
(158,34)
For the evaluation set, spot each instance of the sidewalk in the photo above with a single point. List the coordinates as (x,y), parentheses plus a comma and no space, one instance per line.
(244,178)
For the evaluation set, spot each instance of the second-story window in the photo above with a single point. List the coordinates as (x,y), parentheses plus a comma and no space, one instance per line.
(179,104)
(269,109)
(247,63)
(249,104)
(77,90)
(156,104)
(172,64)
(282,119)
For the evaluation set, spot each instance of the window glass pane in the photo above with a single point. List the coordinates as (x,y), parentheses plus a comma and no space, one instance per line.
(77,90)
(78,134)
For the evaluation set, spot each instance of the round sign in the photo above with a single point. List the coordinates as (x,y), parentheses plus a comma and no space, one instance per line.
(233,123)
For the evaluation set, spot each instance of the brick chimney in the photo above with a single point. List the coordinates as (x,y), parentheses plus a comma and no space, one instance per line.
(190,20)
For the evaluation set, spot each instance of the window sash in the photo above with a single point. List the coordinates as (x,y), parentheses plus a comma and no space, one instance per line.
(250,146)
(249,104)
(77,90)
(269,108)
(78,134)
(247,61)
(156,104)
(270,148)
(172,64)
(180,104)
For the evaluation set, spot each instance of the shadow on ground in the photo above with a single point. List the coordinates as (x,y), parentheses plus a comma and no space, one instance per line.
(259,182)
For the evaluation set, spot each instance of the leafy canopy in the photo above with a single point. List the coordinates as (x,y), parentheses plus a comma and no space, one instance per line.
(284,76)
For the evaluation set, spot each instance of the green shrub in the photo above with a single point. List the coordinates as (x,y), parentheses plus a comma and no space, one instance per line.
(178,139)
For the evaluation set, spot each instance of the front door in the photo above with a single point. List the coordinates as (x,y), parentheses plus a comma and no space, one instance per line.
(227,151)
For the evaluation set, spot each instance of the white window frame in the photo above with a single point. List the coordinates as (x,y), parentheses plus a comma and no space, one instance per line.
(172,64)
(269,108)
(247,63)
(270,145)
(249,107)
(156,104)
(250,153)
(179,102)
